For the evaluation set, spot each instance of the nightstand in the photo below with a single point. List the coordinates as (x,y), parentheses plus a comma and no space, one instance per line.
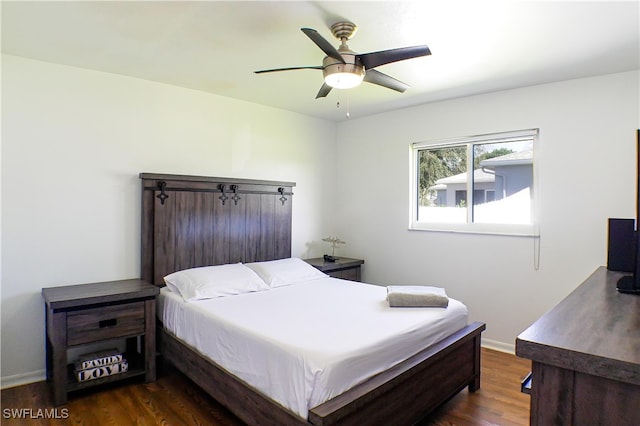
(343,267)
(78,315)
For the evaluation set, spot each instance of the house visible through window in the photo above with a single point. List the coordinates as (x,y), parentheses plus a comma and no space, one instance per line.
(485,179)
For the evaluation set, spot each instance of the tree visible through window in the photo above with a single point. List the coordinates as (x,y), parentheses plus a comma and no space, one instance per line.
(497,189)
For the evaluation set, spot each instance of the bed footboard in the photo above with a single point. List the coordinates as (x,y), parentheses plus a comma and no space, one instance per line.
(401,395)
(411,390)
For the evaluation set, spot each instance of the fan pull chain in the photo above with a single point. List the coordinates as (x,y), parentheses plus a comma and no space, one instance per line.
(348,107)
(348,114)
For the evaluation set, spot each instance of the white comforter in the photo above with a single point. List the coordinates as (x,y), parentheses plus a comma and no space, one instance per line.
(304,344)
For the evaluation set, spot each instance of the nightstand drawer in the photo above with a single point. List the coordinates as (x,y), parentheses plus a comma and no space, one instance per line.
(105,322)
(352,274)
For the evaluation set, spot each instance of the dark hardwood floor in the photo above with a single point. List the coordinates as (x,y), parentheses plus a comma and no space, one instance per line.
(175,400)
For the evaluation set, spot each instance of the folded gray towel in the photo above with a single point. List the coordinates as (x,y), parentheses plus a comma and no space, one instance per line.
(417,296)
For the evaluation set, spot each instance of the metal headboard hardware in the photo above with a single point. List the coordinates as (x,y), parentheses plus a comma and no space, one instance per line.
(162,185)
(235,197)
(223,197)
(282,197)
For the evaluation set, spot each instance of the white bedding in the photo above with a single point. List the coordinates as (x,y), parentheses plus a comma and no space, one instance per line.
(304,344)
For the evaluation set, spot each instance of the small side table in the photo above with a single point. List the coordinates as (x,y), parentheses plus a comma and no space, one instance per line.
(78,315)
(344,267)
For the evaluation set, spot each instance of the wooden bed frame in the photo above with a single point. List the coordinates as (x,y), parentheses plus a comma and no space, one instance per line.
(190,221)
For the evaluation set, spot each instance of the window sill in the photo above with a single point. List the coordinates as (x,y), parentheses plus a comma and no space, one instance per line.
(509,230)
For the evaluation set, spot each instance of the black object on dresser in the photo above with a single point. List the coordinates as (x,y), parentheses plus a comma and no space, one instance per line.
(342,267)
(78,315)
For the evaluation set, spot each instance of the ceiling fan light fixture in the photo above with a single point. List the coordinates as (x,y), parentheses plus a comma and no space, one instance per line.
(344,69)
(343,76)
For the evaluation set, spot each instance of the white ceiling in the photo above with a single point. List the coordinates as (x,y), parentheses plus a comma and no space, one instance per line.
(214,46)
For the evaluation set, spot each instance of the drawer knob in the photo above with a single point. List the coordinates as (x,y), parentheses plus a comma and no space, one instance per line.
(108,323)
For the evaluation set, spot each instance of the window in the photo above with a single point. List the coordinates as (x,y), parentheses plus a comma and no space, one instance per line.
(475,184)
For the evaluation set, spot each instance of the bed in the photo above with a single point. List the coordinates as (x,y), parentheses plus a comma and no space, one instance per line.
(193,221)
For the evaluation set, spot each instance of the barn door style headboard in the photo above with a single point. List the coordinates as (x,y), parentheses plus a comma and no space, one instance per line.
(192,221)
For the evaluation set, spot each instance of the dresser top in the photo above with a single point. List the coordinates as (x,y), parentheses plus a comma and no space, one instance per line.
(594,330)
(103,292)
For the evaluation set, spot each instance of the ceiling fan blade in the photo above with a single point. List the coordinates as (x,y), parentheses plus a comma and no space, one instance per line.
(324,91)
(323,44)
(375,59)
(289,69)
(376,77)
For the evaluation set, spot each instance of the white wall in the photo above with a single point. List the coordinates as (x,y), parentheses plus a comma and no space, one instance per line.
(586,158)
(73,144)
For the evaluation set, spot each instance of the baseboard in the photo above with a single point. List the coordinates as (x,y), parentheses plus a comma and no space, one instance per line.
(509,348)
(22,379)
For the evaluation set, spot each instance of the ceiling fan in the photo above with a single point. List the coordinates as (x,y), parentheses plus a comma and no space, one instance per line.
(343,69)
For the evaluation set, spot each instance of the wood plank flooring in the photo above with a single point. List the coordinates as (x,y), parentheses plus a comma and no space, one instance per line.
(175,400)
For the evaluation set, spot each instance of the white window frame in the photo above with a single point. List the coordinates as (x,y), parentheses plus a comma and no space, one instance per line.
(470,227)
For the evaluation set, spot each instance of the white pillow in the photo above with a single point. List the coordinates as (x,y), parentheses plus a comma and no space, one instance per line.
(278,273)
(214,281)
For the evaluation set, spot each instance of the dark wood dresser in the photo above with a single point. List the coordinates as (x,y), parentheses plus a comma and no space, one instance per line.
(343,267)
(585,355)
(81,315)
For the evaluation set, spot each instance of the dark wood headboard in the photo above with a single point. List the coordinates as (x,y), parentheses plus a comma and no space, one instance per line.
(191,221)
